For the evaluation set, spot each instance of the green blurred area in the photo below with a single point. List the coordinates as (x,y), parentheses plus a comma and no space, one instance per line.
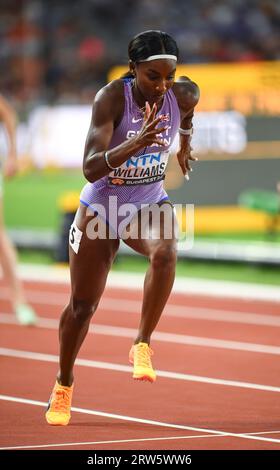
(31,201)
(209,270)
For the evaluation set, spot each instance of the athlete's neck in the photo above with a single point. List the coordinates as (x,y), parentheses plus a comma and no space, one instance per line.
(140,99)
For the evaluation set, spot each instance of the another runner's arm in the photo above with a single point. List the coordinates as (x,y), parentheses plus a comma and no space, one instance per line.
(9,119)
(104,115)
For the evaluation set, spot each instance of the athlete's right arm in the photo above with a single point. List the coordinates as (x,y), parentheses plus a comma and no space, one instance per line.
(105,114)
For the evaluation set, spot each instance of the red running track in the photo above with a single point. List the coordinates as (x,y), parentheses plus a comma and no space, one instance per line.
(218,379)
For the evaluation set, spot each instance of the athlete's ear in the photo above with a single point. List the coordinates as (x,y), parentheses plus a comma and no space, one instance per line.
(132,67)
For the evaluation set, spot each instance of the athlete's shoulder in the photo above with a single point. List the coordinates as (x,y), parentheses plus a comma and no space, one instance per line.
(112,91)
(109,101)
(187,93)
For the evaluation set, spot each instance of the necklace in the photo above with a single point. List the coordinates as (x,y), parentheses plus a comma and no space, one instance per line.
(137,91)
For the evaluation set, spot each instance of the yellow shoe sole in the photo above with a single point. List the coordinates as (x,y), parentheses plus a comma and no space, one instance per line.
(57,420)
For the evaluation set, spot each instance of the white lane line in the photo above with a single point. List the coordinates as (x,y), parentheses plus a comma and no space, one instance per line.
(172,310)
(123,441)
(144,421)
(224,316)
(264,432)
(40,297)
(119,441)
(19,354)
(189,340)
(185,286)
(123,332)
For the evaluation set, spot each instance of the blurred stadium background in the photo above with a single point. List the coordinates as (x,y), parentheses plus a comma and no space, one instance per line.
(54,57)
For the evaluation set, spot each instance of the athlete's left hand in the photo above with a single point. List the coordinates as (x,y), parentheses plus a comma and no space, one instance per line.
(184,156)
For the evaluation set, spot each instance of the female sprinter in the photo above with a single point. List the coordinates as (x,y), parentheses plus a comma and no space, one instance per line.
(134,121)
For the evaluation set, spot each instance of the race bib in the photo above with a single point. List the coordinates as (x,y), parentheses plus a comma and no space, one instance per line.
(75,236)
(146,169)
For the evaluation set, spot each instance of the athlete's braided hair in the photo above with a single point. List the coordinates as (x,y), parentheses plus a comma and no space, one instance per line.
(149,43)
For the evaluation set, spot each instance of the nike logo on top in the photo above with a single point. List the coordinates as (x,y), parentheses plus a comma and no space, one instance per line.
(136,120)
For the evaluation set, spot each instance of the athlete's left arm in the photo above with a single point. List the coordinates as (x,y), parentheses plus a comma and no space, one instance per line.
(8,118)
(187,94)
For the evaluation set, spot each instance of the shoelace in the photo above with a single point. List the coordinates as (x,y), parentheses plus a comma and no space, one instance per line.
(61,401)
(143,356)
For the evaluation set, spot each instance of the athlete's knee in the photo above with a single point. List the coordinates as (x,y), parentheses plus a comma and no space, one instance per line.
(164,256)
(82,310)
(107,260)
(108,255)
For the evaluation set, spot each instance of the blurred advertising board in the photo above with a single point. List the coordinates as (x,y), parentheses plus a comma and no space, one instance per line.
(250,88)
(236,133)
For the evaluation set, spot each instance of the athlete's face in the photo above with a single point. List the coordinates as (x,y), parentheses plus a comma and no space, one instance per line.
(154,78)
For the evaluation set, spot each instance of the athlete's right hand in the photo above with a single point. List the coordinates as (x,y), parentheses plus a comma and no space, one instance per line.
(149,133)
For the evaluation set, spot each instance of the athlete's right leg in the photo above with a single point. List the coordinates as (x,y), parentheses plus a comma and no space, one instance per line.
(89,268)
(90,262)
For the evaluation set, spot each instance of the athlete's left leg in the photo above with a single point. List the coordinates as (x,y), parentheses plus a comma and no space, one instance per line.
(8,258)
(157,241)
